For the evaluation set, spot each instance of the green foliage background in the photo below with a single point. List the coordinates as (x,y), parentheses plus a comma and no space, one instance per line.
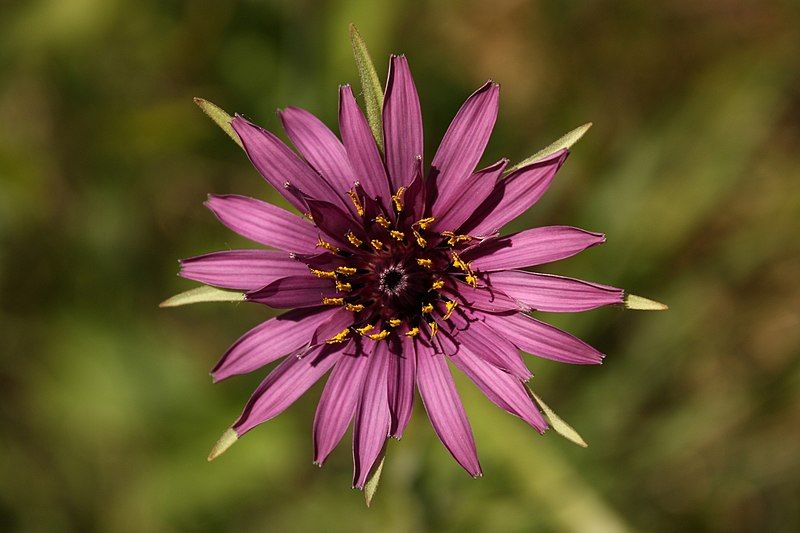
(106,407)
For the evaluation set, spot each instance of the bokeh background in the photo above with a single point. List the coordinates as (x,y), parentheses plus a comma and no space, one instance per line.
(106,407)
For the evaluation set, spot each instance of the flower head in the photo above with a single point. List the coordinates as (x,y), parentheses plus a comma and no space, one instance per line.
(391,269)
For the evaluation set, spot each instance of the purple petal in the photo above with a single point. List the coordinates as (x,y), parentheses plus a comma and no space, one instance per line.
(504,390)
(463,145)
(284,385)
(545,292)
(337,322)
(241,269)
(271,340)
(371,426)
(294,291)
(484,298)
(279,165)
(402,123)
(495,349)
(543,340)
(338,404)
(402,376)
(362,150)
(531,247)
(514,195)
(320,147)
(444,408)
(264,223)
(334,222)
(452,213)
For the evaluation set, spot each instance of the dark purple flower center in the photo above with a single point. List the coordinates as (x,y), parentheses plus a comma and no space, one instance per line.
(391,269)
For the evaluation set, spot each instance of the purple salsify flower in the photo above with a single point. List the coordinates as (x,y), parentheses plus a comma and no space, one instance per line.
(393,270)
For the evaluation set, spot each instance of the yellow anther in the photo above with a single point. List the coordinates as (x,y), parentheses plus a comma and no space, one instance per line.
(379,336)
(425,222)
(356,202)
(458,262)
(332,301)
(309,216)
(421,242)
(347,271)
(356,308)
(355,241)
(453,239)
(427,308)
(343,287)
(434,328)
(397,198)
(382,221)
(328,246)
(364,329)
(399,235)
(427,263)
(450,305)
(323,273)
(471,280)
(394,322)
(339,337)
(376,244)
(412,332)
(438,284)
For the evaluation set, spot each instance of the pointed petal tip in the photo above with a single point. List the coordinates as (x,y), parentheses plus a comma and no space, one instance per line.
(640,303)
(225,441)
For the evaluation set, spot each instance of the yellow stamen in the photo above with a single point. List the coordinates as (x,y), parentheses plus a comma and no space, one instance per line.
(450,305)
(379,336)
(421,242)
(332,301)
(364,329)
(347,271)
(397,198)
(382,221)
(471,280)
(376,244)
(328,246)
(427,263)
(356,308)
(434,328)
(412,332)
(339,337)
(394,322)
(453,239)
(323,273)
(458,262)
(356,202)
(343,287)
(425,222)
(355,241)
(399,235)
(427,308)
(438,284)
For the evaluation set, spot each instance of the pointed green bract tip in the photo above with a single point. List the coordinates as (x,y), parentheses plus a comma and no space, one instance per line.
(561,427)
(371,487)
(220,117)
(564,142)
(643,304)
(225,441)
(370,85)
(203,294)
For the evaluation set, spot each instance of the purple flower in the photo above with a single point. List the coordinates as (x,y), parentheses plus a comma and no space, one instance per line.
(393,269)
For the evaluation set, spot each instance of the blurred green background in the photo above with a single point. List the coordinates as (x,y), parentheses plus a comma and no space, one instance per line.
(691,169)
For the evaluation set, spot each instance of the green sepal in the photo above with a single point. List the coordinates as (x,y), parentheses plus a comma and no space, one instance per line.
(203,294)
(222,119)
(565,141)
(370,85)
(560,427)
(639,303)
